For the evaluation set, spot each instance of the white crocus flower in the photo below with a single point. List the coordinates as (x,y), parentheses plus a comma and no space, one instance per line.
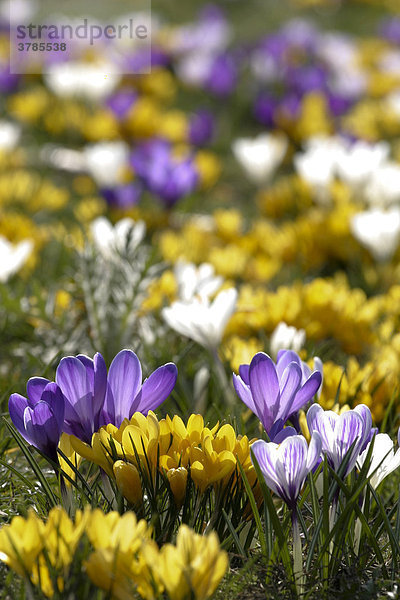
(378,231)
(106,162)
(384,459)
(196,281)
(261,156)
(111,240)
(200,320)
(85,80)
(9,135)
(13,257)
(285,337)
(318,163)
(356,162)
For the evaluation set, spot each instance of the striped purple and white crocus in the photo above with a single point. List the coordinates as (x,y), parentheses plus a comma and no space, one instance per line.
(285,468)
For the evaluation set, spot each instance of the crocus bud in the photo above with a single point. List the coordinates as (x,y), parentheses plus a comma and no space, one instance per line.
(128,481)
(177,480)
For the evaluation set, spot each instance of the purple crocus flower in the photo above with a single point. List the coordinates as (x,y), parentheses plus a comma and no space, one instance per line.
(122,196)
(39,418)
(94,399)
(264,109)
(121,102)
(201,127)
(285,466)
(340,432)
(163,174)
(390,29)
(222,76)
(275,392)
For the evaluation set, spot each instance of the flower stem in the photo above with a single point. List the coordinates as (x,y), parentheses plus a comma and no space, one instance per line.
(297,555)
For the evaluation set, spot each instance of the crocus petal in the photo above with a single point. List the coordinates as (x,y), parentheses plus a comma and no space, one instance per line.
(34,389)
(244,373)
(155,389)
(72,378)
(53,396)
(100,382)
(307,391)
(349,429)
(314,450)
(284,358)
(43,428)
(289,384)
(264,387)
(283,434)
(366,416)
(266,456)
(244,393)
(291,466)
(124,380)
(16,406)
(317,420)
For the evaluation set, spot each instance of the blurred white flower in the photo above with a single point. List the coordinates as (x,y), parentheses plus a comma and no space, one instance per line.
(357,161)
(384,460)
(16,12)
(285,337)
(124,236)
(201,321)
(260,156)
(378,231)
(91,81)
(106,162)
(196,281)
(9,135)
(393,103)
(384,185)
(13,257)
(317,164)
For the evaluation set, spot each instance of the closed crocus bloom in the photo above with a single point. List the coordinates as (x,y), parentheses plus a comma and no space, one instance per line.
(196,281)
(128,481)
(378,231)
(177,479)
(275,392)
(21,543)
(13,257)
(192,568)
(340,432)
(285,337)
(39,418)
(200,320)
(384,459)
(285,466)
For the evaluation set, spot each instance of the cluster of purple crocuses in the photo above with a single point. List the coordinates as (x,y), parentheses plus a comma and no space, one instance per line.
(85,397)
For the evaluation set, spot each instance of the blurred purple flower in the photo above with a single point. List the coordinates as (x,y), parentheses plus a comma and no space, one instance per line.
(276,392)
(201,127)
(39,418)
(285,466)
(164,175)
(222,76)
(340,432)
(121,102)
(122,196)
(264,109)
(390,29)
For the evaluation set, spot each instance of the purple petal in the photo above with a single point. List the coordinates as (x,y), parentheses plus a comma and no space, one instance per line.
(291,468)
(34,389)
(348,430)
(55,399)
(283,434)
(284,358)
(318,420)
(73,379)
(266,455)
(289,384)
(42,428)
(307,391)
(16,406)
(100,382)
(264,388)
(366,416)
(244,393)
(155,389)
(89,366)
(244,373)
(124,381)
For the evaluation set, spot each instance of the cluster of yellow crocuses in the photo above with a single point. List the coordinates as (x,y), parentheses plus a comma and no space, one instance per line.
(122,558)
(145,444)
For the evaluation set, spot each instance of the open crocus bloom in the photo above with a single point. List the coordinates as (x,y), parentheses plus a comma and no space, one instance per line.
(196,281)
(340,432)
(200,320)
(39,418)
(285,466)
(261,156)
(275,392)
(111,240)
(384,459)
